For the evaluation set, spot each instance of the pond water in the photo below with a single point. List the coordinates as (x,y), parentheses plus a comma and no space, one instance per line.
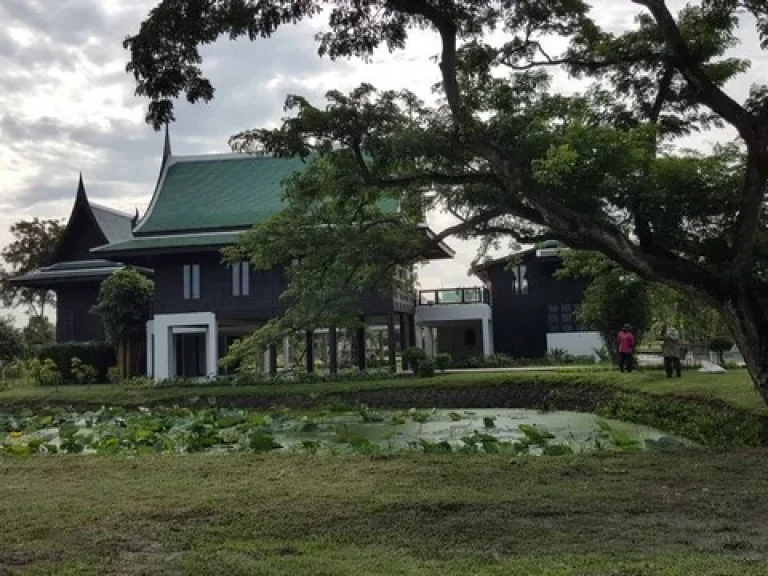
(222,430)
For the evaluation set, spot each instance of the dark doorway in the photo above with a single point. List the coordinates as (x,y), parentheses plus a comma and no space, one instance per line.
(190,354)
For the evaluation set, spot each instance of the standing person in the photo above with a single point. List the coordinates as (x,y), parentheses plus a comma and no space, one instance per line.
(626,348)
(670,349)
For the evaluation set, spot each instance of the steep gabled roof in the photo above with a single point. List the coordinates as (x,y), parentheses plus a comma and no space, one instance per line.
(216,192)
(205,202)
(113,226)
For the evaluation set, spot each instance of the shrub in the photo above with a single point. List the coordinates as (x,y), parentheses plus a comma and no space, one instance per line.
(559,356)
(721,345)
(603,355)
(45,372)
(414,356)
(426,368)
(83,373)
(443,361)
(114,375)
(99,355)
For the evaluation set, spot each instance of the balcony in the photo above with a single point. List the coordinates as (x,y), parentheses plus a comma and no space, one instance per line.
(454,296)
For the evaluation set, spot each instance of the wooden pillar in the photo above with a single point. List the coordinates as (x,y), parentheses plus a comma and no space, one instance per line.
(272,359)
(361,345)
(310,355)
(333,350)
(391,341)
(411,330)
(405,329)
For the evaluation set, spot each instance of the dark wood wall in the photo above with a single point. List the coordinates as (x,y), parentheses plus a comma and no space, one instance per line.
(74,320)
(261,304)
(81,236)
(520,320)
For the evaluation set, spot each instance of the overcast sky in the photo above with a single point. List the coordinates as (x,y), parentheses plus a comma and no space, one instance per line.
(67,105)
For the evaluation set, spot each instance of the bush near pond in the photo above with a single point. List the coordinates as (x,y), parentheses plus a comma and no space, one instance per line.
(556,357)
(711,423)
(99,355)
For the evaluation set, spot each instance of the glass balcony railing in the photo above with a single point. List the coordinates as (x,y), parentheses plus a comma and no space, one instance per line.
(446,296)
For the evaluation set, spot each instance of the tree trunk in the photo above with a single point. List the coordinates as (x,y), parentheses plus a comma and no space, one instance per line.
(746,318)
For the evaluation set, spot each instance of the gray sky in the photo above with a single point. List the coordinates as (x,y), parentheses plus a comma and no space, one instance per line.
(66,103)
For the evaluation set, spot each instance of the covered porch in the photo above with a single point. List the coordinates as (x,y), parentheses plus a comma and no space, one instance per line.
(191,345)
(456,321)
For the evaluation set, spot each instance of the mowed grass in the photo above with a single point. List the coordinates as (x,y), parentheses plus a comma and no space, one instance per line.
(626,515)
(734,387)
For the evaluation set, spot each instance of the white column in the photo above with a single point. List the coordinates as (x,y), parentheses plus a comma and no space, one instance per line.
(162,348)
(429,341)
(150,346)
(487,344)
(212,362)
(286,353)
(417,336)
(267,363)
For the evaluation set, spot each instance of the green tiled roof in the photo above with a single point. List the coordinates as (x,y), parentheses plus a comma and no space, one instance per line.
(169,242)
(214,192)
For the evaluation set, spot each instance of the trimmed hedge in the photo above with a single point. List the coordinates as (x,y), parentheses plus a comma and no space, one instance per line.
(100,355)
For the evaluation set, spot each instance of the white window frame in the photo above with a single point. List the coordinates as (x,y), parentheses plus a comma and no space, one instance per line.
(241,279)
(191,280)
(520,282)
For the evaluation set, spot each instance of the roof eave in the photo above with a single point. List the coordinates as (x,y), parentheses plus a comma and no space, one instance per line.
(140,252)
(441,251)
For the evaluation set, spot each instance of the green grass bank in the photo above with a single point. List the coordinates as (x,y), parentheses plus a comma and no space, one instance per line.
(623,515)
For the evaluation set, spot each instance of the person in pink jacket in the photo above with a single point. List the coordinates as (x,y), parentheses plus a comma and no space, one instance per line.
(626,348)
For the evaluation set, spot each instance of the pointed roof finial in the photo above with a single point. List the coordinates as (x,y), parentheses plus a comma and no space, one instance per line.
(167,146)
(80,186)
(135,219)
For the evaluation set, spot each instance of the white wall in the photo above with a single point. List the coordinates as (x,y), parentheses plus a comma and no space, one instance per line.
(576,343)
(452,313)
(161,327)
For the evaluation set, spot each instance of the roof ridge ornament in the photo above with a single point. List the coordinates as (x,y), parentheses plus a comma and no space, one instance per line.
(167,144)
(81,186)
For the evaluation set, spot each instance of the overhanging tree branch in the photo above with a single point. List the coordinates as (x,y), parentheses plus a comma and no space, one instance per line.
(710,93)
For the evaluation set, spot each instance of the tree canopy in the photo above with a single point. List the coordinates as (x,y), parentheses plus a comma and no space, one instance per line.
(508,156)
(39,331)
(12,345)
(613,297)
(32,247)
(125,304)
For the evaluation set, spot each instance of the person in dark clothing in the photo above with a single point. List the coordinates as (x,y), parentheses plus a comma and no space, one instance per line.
(626,348)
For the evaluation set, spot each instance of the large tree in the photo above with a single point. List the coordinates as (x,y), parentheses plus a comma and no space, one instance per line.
(507,156)
(124,306)
(612,299)
(32,247)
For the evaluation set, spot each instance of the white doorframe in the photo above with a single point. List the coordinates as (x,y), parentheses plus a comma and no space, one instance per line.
(163,326)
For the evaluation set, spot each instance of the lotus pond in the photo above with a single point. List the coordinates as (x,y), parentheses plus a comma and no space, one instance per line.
(113,430)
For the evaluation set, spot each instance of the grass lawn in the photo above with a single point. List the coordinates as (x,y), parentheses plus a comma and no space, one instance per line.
(626,515)
(735,387)
(620,515)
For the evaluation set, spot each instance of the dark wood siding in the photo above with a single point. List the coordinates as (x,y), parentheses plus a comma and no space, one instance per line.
(520,320)
(82,235)
(261,304)
(74,320)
